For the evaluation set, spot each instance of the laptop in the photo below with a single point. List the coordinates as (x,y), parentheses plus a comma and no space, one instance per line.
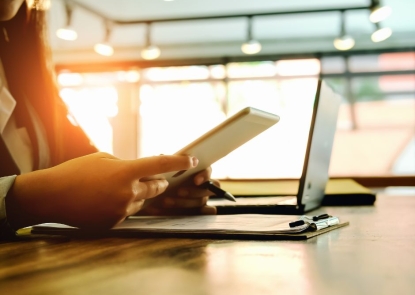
(315,168)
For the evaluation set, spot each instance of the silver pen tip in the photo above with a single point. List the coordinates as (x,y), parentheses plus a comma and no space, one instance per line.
(229,197)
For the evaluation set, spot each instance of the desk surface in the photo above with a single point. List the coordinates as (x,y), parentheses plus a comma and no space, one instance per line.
(375,254)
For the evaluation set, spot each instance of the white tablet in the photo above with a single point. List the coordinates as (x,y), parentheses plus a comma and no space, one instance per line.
(223,139)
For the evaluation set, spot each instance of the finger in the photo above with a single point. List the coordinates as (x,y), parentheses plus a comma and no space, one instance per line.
(134,207)
(151,211)
(193,192)
(208,210)
(105,155)
(184,202)
(153,177)
(202,176)
(215,182)
(148,189)
(161,164)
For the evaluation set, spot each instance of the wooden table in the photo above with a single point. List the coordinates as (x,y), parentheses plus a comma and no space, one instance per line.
(375,254)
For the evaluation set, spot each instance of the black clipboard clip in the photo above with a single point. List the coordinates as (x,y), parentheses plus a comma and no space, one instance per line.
(316,222)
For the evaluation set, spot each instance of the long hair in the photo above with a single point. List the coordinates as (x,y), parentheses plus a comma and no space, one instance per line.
(27,63)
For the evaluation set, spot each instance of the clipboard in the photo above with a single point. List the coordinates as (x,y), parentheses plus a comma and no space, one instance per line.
(234,227)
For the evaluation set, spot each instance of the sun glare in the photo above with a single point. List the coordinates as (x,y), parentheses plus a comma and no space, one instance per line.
(92,108)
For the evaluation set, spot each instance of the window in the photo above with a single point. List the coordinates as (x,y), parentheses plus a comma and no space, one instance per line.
(173,114)
(159,110)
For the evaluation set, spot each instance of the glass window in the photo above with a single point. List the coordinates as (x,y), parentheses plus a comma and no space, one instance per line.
(375,135)
(174,114)
(92,108)
(94,100)
(399,61)
(163,109)
(333,65)
(177,73)
(251,69)
(298,67)
(279,151)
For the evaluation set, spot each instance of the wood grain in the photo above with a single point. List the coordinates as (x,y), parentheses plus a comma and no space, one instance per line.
(374,254)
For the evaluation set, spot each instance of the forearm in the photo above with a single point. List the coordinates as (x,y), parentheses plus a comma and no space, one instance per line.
(27,202)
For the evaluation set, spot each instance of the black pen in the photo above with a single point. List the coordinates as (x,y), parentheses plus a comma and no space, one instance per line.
(296,223)
(218,191)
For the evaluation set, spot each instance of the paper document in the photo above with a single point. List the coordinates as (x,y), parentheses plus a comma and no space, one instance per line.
(246,223)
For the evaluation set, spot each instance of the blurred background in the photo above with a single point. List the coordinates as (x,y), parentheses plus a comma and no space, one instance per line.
(147,77)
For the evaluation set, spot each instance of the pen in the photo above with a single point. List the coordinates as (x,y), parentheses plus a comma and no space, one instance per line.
(319,217)
(316,222)
(218,191)
(296,223)
(317,225)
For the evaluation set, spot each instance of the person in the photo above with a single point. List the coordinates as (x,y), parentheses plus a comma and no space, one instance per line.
(49,170)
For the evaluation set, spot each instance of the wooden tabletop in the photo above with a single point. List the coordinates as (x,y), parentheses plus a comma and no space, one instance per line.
(375,254)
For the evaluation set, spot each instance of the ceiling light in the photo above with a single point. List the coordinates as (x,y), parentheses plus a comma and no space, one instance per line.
(150,51)
(381,34)
(379,13)
(105,48)
(344,41)
(251,46)
(67,32)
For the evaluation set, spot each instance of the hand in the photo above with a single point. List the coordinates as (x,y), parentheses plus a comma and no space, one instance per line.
(94,191)
(188,199)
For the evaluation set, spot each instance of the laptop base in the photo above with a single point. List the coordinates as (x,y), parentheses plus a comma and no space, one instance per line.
(269,209)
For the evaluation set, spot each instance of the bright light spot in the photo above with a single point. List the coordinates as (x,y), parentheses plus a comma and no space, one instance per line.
(292,100)
(228,264)
(251,70)
(132,76)
(72,119)
(344,43)
(381,34)
(45,5)
(251,47)
(177,73)
(177,113)
(150,52)
(380,13)
(40,5)
(194,108)
(67,34)
(104,49)
(70,79)
(91,108)
(300,67)
(146,93)
(218,71)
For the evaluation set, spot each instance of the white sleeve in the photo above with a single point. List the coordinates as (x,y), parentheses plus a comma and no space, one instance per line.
(5,185)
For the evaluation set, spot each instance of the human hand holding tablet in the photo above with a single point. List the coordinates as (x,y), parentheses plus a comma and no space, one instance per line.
(214,145)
